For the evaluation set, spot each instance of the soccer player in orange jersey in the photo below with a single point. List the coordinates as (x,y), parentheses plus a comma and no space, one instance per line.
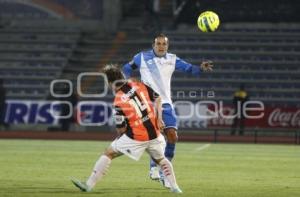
(138,121)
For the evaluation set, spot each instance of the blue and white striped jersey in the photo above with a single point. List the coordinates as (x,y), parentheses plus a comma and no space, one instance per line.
(157,72)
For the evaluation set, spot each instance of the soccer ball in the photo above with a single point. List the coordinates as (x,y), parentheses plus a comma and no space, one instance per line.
(208,21)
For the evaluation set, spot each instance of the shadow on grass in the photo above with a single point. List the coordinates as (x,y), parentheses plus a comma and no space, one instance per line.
(99,191)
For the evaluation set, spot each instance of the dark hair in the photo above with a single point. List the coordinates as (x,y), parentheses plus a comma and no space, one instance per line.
(113,73)
(160,35)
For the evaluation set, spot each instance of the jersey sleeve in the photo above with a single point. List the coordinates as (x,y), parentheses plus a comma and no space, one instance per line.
(152,94)
(119,117)
(132,65)
(183,66)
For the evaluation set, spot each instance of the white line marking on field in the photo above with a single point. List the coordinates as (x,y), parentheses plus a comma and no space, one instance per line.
(202,147)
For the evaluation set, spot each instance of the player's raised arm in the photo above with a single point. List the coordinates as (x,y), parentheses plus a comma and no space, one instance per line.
(184,66)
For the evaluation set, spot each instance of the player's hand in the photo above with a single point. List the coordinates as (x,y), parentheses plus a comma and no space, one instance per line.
(206,66)
(121,131)
(161,125)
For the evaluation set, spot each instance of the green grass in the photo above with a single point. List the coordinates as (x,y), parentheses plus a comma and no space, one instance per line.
(40,168)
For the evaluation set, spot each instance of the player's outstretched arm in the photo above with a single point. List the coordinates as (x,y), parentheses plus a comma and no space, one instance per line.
(184,66)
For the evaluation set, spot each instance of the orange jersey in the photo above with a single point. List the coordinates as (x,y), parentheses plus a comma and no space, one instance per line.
(134,101)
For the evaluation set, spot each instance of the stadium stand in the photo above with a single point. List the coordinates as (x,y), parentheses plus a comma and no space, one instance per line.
(32,57)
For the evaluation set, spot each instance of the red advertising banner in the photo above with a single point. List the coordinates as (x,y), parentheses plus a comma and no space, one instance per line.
(282,117)
(273,117)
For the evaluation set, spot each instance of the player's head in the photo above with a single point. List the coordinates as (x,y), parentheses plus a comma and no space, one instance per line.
(114,75)
(160,45)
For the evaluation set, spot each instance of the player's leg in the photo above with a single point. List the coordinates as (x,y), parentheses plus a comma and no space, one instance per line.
(123,145)
(155,172)
(101,166)
(169,118)
(99,170)
(171,138)
(156,151)
(169,174)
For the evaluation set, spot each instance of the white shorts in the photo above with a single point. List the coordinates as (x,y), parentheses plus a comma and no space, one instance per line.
(135,149)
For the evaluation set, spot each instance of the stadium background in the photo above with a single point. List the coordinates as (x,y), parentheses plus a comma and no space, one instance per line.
(257,44)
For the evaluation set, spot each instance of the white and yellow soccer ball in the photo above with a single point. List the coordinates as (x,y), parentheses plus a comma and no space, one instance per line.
(208,21)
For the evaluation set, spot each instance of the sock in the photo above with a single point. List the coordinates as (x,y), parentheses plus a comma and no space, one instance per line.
(168,171)
(100,169)
(169,151)
(152,163)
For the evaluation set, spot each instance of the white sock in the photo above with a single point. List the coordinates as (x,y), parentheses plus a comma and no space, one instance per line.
(168,171)
(99,171)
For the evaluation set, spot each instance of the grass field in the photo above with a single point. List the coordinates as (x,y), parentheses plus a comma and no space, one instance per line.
(40,168)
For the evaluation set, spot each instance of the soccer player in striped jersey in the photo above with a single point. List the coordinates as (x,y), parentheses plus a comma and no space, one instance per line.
(156,67)
(138,121)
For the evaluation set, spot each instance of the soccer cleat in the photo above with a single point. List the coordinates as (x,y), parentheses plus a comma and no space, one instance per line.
(81,185)
(154,173)
(165,183)
(176,190)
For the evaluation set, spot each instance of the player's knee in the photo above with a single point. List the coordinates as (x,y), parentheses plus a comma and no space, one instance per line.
(171,135)
(109,153)
(157,161)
